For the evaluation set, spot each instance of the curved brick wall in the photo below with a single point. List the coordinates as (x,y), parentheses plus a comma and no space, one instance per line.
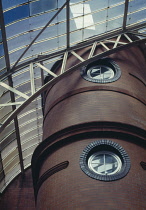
(78,112)
(70,188)
(79,101)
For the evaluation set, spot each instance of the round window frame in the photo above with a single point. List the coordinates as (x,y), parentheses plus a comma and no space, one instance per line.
(101,62)
(105,145)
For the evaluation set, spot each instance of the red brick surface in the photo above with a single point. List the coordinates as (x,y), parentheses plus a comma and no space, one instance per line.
(73,189)
(19,194)
(75,101)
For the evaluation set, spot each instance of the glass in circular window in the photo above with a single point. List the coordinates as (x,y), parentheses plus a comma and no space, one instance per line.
(104,163)
(100,72)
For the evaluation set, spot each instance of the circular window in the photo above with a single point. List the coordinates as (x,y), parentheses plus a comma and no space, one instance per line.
(105,160)
(101,71)
(104,163)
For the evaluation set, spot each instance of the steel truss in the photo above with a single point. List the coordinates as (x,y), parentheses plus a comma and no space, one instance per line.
(117,43)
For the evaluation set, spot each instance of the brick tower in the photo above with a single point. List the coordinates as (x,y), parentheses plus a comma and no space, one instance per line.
(93,150)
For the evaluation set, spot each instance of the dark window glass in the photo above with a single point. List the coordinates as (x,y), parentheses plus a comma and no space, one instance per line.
(2,65)
(16,14)
(10,3)
(1,50)
(0,36)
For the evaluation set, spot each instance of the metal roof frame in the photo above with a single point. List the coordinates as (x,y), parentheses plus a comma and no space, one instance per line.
(63,73)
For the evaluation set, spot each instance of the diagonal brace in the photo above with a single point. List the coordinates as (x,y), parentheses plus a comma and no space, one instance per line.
(14,90)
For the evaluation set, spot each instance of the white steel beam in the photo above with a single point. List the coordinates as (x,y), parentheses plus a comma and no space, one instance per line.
(128,38)
(117,41)
(77,56)
(11,104)
(64,62)
(110,41)
(32,78)
(14,90)
(92,50)
(104,46)
(47,70)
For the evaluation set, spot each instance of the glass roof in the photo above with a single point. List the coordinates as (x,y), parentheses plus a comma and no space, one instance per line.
(34,28)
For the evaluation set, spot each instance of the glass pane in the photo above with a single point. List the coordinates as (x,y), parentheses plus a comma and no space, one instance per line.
(19,41)
(62,28)
(26,127)
(41,20)
(112,2)
(7,131)
(75,1)
(9,3)
(76,10)
(17,28)
(10,156)
(2,71)
(111,164)
(60,3)
(9,167)
(62,41)
(15,55)
(27,161)
(76,37)
(98,4)
(5,111)
(136,5)
(2,185)
(45,47)
(62,15)
(28,115)
(9,147)
(4,96)
(12,173)
(99,16)
(99,29)
(1,50)
(114,24)
(16,14)
(19,79)
(0,36)
(48,33)
(30,143)
(10,138)
(136,17)
(2,65)
(29,134)
(29,151)
(42,6)
(116,11)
